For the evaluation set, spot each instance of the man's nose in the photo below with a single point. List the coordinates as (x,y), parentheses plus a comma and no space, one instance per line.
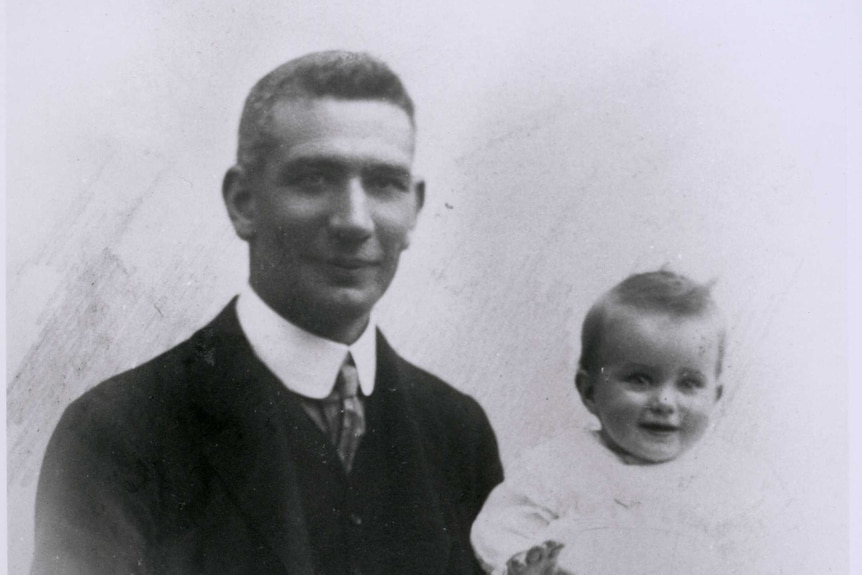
(351,215)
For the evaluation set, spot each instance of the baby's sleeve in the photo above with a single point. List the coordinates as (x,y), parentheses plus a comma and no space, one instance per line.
(516,517)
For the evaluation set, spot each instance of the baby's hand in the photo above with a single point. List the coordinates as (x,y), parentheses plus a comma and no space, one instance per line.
(538,560)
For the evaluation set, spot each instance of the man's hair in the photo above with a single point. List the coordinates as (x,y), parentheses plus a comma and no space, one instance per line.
(331,74)
(660,292)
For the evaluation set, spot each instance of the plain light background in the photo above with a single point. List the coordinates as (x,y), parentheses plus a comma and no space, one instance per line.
(565,145)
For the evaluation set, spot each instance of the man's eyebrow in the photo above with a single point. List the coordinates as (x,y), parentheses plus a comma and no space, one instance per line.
(312,162)
(387,170)
(337,163)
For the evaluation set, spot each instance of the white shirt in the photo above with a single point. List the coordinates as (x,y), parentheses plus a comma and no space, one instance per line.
(710,511)
(305,363)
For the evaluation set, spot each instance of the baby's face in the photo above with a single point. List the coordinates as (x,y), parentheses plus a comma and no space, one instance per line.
(658,385)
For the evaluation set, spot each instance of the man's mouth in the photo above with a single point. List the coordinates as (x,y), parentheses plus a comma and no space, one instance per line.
(352,263)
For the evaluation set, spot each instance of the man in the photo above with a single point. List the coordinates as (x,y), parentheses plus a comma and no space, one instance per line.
(252,447)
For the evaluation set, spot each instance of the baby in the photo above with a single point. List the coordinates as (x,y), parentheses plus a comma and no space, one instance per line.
(640,495)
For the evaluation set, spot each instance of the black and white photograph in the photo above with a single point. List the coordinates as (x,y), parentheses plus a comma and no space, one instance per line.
(519,288)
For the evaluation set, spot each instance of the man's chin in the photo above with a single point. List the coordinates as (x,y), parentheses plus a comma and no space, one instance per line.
(345,302)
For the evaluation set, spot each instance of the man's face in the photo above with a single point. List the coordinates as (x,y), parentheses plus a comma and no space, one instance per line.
(658,384)
(332,209)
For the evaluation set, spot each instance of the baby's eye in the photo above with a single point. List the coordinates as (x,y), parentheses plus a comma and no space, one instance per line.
(691,383)
(639,379)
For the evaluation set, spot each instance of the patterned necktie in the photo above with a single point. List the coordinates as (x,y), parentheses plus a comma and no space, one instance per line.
(345,414)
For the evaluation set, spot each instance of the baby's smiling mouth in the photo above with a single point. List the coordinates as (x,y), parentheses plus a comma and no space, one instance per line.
(654,427)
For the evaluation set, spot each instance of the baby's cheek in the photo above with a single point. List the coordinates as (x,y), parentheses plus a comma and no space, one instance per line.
(619,420)
(696,425)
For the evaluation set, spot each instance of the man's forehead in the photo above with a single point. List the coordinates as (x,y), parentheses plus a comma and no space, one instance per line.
(300,111)
(333,128)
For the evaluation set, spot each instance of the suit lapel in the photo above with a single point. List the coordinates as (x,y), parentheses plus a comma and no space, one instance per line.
(247,418)
(243,406)
(419,540)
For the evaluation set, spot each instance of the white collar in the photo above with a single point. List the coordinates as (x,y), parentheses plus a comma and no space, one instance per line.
(305,363)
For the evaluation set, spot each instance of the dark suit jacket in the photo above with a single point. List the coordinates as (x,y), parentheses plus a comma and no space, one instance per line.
(188,464)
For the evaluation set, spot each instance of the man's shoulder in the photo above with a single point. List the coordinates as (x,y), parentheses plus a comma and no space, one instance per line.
(414,380)
(432,400)
(140,383)
(452,425)
(154,386)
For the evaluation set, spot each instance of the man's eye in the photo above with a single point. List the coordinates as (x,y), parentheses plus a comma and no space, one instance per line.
(386,183)
(311,178)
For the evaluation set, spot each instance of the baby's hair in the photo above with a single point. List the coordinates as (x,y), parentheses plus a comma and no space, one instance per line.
(662,292)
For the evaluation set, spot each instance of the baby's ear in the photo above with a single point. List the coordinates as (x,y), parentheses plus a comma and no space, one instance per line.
(586,389)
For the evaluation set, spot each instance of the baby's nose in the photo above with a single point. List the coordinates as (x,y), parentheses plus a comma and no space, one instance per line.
(664,400)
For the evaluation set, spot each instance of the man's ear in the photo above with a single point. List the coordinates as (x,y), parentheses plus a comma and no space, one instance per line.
(719,391)
(419,191)
(587,389)
(240,202)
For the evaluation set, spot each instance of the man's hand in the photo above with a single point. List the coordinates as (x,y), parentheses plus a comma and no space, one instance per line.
(538,560)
